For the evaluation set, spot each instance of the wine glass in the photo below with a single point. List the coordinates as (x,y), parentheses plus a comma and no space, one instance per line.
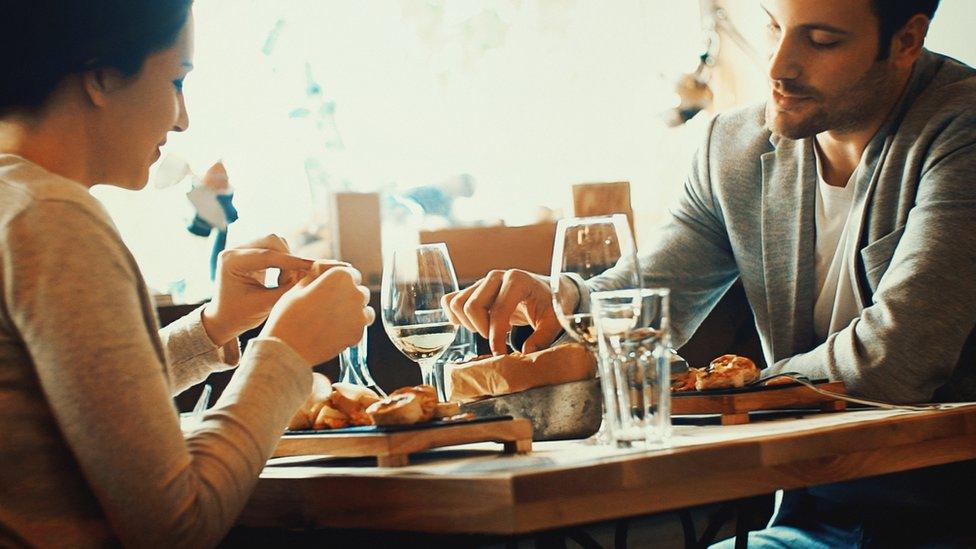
(414,281)
(586,247)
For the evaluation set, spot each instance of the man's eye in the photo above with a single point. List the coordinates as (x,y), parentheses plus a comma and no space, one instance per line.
(178,84)
(823,40)
(823,45)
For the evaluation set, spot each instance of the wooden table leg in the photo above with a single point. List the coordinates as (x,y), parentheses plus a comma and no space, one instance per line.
(396,460)
(834,406)
(735,419)
(518,446)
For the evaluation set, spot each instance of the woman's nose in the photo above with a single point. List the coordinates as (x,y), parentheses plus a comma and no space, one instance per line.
(182,118)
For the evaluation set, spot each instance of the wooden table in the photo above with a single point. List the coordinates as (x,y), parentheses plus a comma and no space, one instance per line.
(473,489)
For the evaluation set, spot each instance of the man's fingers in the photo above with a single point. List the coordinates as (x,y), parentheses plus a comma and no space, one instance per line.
(478,305)
(446,306)
(509,296)
(457,305)
(543,336)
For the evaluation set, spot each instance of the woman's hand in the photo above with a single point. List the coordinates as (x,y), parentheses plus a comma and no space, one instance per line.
(241,301)
(323,314)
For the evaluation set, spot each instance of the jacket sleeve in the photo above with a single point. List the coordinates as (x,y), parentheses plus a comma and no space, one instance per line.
(905,344)
(691,254)
(73,296)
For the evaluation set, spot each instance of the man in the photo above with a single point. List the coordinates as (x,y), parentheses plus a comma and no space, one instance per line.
(847,207)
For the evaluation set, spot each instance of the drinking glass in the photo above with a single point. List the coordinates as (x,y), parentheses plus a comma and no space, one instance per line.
(633,327)
(584,248)
(354,369)
(414,281)
(462,349)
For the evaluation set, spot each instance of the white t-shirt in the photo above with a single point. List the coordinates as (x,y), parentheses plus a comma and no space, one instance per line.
(836,303)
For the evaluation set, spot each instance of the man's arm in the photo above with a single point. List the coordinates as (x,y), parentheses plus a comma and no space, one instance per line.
(691,254)
(906,343)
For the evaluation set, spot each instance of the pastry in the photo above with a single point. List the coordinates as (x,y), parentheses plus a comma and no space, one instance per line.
(447,409)
(426,396)
(726,371)
(402,409)
(305,416)
(330,418)
(349,398)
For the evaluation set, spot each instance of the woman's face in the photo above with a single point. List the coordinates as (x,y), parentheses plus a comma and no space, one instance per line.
(140,113)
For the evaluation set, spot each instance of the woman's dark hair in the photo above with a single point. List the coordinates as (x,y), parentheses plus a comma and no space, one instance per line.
(892,16)
(43,41)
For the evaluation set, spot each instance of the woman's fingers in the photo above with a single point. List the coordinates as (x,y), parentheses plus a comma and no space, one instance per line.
(245,260)
(269,242)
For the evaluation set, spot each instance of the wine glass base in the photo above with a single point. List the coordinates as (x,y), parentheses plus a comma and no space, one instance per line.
(601,437)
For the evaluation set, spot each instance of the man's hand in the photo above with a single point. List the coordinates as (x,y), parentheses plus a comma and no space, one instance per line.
(502,299)
(241,301)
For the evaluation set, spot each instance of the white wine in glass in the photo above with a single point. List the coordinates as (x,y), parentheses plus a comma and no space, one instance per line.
(414,281)
(586,247)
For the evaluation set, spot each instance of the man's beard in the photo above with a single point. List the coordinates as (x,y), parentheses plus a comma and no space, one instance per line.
(845,111)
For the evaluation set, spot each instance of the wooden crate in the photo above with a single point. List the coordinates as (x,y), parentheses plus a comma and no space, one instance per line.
(477,250)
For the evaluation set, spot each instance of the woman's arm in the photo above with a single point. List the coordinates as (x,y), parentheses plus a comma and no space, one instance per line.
(192,354)
(73,295)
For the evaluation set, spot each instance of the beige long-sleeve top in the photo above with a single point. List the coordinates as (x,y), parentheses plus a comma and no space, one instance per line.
(91,451)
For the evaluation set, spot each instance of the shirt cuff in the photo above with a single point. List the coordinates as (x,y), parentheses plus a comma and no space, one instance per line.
(583,305)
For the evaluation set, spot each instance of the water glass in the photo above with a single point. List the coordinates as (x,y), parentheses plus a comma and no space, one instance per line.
(634,341)
(353,367)
(462,349)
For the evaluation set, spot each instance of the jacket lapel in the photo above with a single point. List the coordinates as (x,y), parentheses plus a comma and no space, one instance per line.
(788,208)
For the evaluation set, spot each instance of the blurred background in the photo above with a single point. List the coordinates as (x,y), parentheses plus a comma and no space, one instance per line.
(455,113)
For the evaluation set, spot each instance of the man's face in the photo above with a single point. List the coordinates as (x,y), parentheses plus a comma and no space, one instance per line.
(823,67)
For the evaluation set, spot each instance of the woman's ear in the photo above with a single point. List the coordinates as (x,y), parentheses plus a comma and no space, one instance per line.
(100,84)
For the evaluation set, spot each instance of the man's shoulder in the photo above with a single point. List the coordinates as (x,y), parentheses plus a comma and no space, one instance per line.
(947,102)
(740,133)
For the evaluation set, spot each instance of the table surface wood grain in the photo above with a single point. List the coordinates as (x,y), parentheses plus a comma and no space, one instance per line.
(474,489)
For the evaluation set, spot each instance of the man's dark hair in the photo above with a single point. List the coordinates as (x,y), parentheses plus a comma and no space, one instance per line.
(892,16)
(43,41)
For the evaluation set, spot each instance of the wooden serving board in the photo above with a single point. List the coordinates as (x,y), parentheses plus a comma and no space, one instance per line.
(735,404)
(393,445)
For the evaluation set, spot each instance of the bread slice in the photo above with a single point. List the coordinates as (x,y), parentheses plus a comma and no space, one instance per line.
(511,373)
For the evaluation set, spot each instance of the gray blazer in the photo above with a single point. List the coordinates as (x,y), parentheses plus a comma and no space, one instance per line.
(748,212)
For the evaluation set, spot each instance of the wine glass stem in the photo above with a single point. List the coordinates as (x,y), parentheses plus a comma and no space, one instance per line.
(430,376)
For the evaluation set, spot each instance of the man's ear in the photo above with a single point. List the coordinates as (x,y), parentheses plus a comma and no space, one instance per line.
(100,84)
(906,45)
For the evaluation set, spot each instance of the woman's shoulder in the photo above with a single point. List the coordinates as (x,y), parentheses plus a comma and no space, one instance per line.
(49,202)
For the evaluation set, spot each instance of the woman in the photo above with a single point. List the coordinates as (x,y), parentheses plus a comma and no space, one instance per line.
(91,451)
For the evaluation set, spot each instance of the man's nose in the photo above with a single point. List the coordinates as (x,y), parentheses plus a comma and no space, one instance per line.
(784,60)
